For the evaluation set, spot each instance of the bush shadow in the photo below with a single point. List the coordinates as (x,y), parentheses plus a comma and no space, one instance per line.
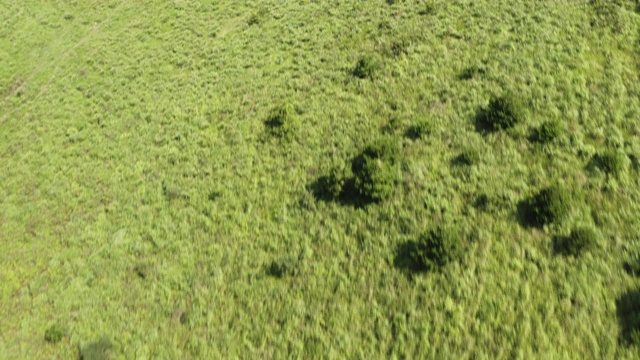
(404,259)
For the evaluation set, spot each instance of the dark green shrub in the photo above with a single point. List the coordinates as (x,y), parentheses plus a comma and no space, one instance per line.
(421,130)
(366,67)
(470,156)
(550,205)
(375,169)
(386,148)
(281,122)
(549,131)
(611,162)
(336,180)
(502,113)
(471,72)
(54,333)
(287,266)
(628,311)
(437,248)
(582,239)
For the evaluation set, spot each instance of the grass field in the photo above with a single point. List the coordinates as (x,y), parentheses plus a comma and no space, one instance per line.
(199,179)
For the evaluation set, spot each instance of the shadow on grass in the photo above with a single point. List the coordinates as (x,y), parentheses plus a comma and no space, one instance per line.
(525,215)
(404,258)
(628,312)
(482,123)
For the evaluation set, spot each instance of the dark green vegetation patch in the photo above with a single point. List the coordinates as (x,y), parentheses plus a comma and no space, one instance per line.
(54,333)
(376,170)
(503,112)
(366,67)
(550,205)
(433,250)
(582,239)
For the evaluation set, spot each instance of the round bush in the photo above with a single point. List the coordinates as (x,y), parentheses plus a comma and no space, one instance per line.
(582,239)
(550,205)
(470,156)
(375,178)
(375,169)
(281,122)
(612,162)
(503,113)
(366,67)
(420,130)
(549,131)
(54,333)
(437,248)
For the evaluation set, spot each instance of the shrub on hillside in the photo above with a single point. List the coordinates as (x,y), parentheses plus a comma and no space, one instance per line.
(375,170)
(366,67)
(54,333)
(550,205)
(436,248)
(502,113)
(468,157)
(420,130)
(611,162)
(549,131)
(281,122)
(581,239)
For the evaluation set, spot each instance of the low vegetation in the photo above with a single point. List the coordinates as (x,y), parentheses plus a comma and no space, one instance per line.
(410,179)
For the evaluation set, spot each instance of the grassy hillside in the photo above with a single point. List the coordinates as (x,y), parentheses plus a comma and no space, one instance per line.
(319,179)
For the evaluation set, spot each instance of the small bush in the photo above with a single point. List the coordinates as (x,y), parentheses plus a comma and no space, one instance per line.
(611,162)
(470,156)
(375,169)
(281,122)
(436,248)
(421,130)
(582,239)
(550,205)
(471,72)
(288,266)
(548,131)
(54,333)
(366,67)
(502,113)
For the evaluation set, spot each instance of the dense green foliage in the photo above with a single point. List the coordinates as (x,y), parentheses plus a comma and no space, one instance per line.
(549,131)
(502,113)
(366,67)
(436,248)
(375,170)
(272,179)
(550,205)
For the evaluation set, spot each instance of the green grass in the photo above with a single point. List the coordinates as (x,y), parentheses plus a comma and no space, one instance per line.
(152,208)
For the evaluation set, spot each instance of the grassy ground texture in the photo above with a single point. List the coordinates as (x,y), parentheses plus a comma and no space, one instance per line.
(163,168)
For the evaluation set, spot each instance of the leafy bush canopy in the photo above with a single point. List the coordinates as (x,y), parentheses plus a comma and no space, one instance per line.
(550,205)
(366,67)
(375,169)
(549,131)
(502,113)
(281,122)
(436,248)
